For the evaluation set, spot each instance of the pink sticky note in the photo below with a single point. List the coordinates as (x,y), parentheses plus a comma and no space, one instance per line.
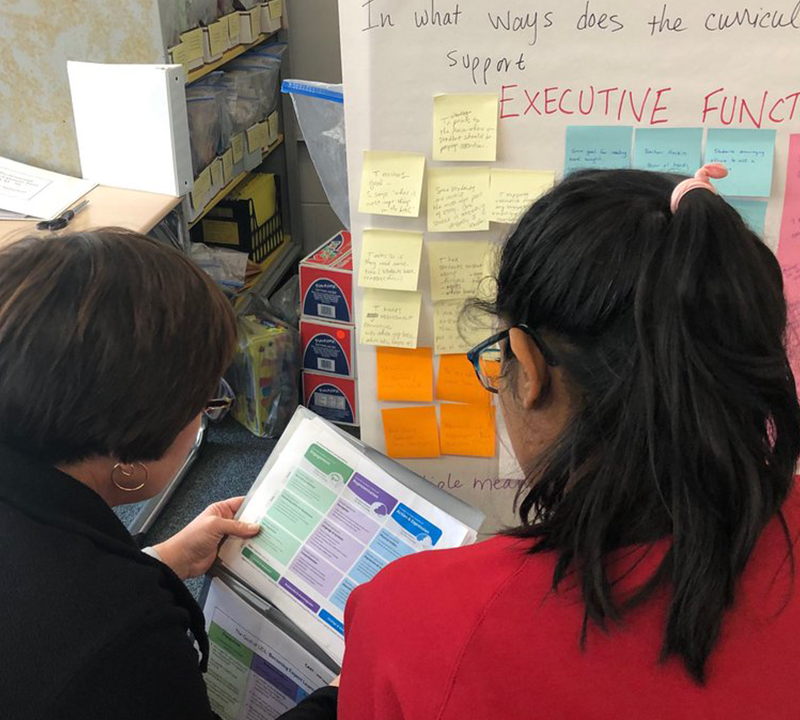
(789,251)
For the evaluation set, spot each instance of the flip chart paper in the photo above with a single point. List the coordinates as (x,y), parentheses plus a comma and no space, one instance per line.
(457,199)
(405,374)
(458,382)
(748,156)
(391,183)
(454,332)
(456,268)
(597,147)
(512,192)
(390,260)
(390,318)
(789,251)
(411,432)
(753,212)
(465,127)
(467,430)
(672,150)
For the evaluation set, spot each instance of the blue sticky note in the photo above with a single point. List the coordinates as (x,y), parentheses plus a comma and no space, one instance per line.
(753,212)
(591,147)
(748,156)
(672,150)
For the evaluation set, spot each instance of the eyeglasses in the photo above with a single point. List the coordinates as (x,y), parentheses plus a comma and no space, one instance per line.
(217,407)
(487,357)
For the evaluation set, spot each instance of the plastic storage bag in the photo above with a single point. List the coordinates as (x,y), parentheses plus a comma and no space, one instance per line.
(320,112)
(267,59)
(204,130)
(265,373)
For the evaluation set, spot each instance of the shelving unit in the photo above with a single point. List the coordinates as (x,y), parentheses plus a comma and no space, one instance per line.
(227,56)
(231,186)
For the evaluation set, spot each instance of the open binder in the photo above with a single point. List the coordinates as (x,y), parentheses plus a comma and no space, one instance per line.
(333,512)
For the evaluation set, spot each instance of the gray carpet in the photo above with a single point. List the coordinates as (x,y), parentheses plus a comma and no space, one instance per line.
(227,467)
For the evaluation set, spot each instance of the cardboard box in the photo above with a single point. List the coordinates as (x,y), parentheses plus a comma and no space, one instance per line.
(328,347)
(326,281)
(331,397)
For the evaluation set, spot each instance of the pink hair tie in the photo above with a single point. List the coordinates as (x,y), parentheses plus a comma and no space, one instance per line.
(700,181)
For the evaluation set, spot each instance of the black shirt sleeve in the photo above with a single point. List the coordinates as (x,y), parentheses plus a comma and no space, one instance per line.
(320,705)
(151,672)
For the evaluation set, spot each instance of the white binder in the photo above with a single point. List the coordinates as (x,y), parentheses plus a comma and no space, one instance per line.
(132,126)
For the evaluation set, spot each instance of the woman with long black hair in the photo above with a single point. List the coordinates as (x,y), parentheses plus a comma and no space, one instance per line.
(642,373)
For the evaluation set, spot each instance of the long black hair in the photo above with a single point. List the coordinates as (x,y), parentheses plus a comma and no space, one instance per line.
(670,331)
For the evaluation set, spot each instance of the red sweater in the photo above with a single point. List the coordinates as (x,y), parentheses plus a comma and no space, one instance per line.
(475,633)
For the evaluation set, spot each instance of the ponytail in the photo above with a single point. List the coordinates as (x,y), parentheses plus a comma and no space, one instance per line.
(670,328)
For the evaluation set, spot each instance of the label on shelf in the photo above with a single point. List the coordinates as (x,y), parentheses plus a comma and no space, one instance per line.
(237,146)
(275,9)
(202,186)
(217,175)
(193,42)
(227,166)
(233,27)
(272,122)
(218,37)
(257,137)
(178,55)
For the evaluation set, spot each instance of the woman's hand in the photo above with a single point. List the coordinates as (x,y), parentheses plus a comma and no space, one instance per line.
(191,552)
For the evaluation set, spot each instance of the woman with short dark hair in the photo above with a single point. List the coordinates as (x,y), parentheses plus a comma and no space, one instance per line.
(111,346)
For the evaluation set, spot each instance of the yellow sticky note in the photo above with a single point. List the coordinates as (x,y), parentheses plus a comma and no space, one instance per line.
(390,318)
(457,268)
(201,189)
(391,183)
(275,9)
(234,28)
(405,374)
(390,260)
(457,332)
(179,56)
(237,145)
(467,430)
(458,382)
(411,432)
(458,199)
(512,192)
(465,127)
(257,137)
(193,42)
(218,37)
(272,124)
(227,166)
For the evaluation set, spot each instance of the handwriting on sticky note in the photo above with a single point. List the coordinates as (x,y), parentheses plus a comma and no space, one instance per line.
(456,381)
(405,374)
(457,199)
(512,192)
(465,127)
(596,147)
(390,318)
(673,150)
(456,268)
(467,430)
(391,183)
(411,432)
(390,260)
(748,156)
(455,331)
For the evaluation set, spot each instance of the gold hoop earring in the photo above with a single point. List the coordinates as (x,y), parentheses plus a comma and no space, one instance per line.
(129,473)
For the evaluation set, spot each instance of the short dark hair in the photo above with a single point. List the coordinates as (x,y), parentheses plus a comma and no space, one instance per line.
(110,343)
(670,330)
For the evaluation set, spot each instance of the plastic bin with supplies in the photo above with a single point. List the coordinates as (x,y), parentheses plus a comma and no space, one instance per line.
(320,112)
(265,373)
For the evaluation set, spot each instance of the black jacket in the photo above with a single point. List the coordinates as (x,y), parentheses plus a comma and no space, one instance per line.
(91,627)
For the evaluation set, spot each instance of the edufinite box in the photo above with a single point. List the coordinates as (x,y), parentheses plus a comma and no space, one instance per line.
(331,397)
(328,347)
(326,281)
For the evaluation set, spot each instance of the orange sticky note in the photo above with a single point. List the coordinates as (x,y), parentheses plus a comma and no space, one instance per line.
(467,430)
(458,382)
(405,374)
(411,432)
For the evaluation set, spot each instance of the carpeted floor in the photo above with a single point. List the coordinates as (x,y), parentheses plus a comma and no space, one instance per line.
(227,467)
